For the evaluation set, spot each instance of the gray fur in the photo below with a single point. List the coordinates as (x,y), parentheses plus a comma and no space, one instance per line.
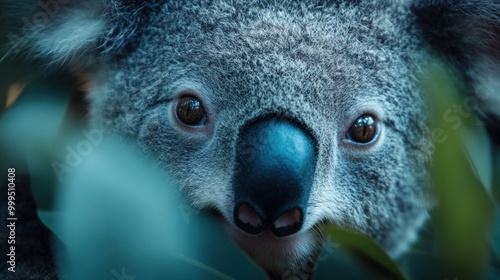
(323,63)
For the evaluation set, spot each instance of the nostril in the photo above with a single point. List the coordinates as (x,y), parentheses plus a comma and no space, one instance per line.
(288,223)
(289,218)
(246,218)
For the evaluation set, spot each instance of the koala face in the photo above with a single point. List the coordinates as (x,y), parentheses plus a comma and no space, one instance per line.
(278,118)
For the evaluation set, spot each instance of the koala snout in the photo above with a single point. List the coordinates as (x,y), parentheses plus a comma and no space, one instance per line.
(275,165)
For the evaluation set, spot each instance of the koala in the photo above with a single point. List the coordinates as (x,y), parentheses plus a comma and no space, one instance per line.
(278,117)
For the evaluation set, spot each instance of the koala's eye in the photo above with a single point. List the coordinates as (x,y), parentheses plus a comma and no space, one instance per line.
(190,111)
(363,130)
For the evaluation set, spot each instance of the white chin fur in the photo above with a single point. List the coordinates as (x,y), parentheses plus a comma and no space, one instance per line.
(275,253)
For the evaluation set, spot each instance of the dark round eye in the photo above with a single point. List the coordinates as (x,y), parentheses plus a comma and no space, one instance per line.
(363,130)
(190,111)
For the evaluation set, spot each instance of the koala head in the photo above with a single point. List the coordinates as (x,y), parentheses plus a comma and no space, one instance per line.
(276,117)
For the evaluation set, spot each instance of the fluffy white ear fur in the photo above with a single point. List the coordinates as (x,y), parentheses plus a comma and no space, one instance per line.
(467,32)
(57,31)
(76,32)
(72,40)
(487,88)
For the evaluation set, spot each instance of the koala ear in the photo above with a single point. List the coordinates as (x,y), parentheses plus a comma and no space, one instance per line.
(467,32)
(463,28)
(66,32)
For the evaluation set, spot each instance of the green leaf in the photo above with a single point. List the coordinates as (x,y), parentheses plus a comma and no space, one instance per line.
(495,234)
(464,210)
(366,250)
(118,214)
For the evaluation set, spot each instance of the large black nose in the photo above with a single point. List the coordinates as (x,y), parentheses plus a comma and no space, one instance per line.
(276,160)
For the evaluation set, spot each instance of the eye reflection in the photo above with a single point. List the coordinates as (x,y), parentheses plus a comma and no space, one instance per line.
(363,130)
(190,111)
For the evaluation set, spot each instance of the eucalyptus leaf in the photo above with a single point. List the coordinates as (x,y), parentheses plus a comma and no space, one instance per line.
(119,214)
(365,250)
(464,211)
(495,235)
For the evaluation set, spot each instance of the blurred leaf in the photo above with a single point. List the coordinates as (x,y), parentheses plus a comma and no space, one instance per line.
(36,117)
(464,210)
(365,250)
(117,211)
(28,130)
(495,235)
(420,265)
(479,151)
